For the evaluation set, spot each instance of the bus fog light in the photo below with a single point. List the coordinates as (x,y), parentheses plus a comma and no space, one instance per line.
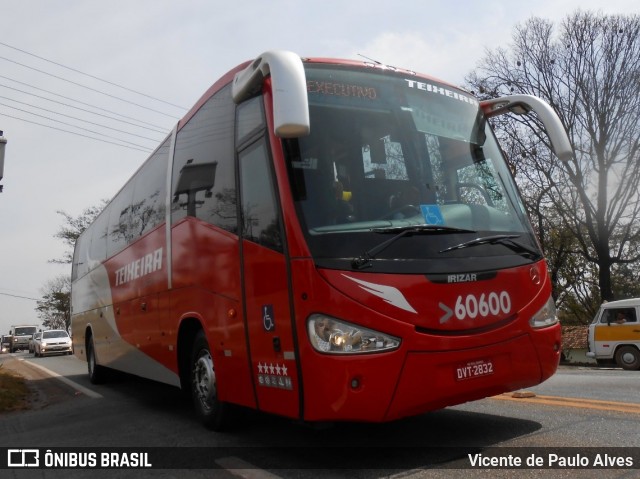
(545,317)
(331,335)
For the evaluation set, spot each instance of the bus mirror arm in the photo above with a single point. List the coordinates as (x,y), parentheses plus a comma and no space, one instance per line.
(289,87)
(523,104)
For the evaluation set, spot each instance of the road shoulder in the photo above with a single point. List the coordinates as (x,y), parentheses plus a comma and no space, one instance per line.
(44,390)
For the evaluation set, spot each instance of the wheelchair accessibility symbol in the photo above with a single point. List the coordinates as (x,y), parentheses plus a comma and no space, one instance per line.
(432,214)
(267,317)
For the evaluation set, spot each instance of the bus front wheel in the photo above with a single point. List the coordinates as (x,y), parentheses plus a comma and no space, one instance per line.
(204,388)
(628,357)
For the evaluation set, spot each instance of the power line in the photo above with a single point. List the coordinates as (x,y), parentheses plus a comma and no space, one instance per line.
(92,76)
(18,296)
(141,148)
(88,87)
(119,141)
(75,118)
(78,101)
(71,125)
(81,109)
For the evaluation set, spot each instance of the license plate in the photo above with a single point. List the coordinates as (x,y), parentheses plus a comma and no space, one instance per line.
(474,369)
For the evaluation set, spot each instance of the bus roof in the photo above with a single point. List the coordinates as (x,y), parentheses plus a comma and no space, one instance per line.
(228,77)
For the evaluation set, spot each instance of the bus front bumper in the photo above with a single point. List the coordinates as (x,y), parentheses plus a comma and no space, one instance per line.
(393,386)
(432,381)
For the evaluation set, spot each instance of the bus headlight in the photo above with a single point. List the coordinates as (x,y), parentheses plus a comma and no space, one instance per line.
(331,335)
(546,316)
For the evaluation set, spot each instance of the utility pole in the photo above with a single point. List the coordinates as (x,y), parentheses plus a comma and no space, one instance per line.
(3,144)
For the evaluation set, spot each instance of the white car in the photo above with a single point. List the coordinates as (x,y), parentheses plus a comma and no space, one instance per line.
(54,341)
(35,338)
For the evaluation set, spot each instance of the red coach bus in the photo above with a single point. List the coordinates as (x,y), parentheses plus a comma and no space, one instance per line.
(324,240)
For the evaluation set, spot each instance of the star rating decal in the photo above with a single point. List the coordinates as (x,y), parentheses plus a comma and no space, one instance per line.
(274,375)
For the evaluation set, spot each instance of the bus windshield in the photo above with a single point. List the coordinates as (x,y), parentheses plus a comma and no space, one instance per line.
(390,152)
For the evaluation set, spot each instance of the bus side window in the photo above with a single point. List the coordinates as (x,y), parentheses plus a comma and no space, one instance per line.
(260,219)
(120,232)
(203,184)
(148,205)
(80,265)
(98,247)
(250,119)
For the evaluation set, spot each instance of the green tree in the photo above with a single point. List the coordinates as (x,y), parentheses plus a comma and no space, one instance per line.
(54,307)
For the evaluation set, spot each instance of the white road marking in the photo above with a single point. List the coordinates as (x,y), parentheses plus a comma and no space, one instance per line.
(240,468)
(67,381)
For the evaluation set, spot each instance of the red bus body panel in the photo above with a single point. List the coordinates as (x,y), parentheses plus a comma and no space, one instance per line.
(206,285)
(422,374)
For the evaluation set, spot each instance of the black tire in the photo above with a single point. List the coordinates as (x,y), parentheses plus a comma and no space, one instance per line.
(628,357)
(213,413)
(97,373)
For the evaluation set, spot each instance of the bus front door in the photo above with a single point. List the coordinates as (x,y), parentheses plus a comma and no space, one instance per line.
(265,281)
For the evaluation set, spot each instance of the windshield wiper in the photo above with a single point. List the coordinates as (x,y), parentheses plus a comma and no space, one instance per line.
(364,260)
(506,240)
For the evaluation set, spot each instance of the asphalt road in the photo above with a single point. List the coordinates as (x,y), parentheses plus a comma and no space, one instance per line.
(588,415)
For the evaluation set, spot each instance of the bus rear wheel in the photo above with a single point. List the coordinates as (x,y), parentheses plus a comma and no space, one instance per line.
(96,372)
(204,388)
(628,357)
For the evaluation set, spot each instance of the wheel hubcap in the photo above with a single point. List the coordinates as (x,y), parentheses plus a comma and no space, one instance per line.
(204,380)
(628,358)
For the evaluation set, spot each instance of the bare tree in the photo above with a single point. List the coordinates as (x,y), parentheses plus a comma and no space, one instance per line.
(588,69)
(73,227)
(54,309)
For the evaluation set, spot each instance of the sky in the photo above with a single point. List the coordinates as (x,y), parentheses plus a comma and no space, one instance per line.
(75,135)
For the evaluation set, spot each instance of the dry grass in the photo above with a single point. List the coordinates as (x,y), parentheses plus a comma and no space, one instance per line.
(13,391)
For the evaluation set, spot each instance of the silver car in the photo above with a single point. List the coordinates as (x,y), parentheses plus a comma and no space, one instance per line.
(54,341)
(32,341)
